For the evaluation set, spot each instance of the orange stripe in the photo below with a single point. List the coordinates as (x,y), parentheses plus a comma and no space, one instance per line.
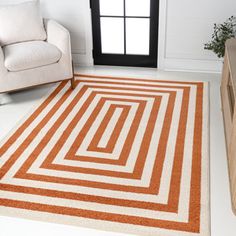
(195,195)
(106,216)
(115,134)
(89,198)
(79,139)
(130,136)
(135,79)
(148,89)
(33,134)
(31,176)
(140,161)
(48,161)
(37,112)
(139,164)
(136,167)
(129,139)
(173,199)
(72,152)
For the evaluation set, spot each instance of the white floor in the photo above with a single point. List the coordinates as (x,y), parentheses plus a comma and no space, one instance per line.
(223,221)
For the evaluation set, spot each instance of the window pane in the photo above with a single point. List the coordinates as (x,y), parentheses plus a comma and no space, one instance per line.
(112,35)
(137,36)
(112,7)
(137,7)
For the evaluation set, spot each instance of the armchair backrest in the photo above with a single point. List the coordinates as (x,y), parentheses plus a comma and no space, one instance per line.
(29,27)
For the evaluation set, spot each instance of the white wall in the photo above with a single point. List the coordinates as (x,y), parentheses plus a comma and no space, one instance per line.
(185,25)
(75,16)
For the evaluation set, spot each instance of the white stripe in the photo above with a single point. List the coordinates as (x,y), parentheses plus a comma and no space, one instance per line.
(121,140)
(148,179)
(185,181)
(82,150)
(132,158)
(205,167)
(40,135)
(110,128)
(28,130)
(93,206)
(134,153)
(141,82)
(23,135)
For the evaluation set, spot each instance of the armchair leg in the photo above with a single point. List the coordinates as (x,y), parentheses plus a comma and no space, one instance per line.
(72,81)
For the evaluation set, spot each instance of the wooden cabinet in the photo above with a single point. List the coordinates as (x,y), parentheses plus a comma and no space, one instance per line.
(228,93)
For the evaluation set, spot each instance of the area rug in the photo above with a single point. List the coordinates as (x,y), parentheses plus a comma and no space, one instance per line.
(118,154)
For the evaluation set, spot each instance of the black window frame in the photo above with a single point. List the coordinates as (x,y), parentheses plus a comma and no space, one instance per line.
(119,59)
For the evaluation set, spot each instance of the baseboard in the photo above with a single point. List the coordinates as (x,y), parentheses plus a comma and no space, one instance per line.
(206,66)
(168,64)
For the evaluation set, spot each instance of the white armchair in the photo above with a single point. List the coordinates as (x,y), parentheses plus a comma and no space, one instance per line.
(32,63)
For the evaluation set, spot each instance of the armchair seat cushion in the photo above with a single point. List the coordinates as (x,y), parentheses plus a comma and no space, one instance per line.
(29,55)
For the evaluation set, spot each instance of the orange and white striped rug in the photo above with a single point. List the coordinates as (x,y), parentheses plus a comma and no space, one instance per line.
(120,154)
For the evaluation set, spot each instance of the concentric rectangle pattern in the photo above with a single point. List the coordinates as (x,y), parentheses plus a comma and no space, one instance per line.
(121,154)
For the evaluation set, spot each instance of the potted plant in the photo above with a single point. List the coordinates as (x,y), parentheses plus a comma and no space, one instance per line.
(221,33)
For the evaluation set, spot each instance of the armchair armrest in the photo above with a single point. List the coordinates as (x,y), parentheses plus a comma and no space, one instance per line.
(3,69)
(60,37)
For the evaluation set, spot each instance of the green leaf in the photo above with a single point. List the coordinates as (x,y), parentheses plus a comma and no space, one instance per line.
(221,33)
